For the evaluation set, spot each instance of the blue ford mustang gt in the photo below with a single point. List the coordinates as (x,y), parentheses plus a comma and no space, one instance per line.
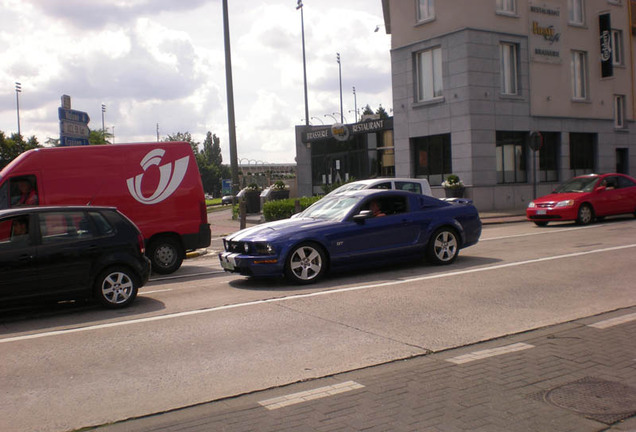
(357,228)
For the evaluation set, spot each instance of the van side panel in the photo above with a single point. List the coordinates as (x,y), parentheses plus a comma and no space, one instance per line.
(157,185)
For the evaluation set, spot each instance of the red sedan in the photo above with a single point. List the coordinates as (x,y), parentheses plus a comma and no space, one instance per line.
(584,199)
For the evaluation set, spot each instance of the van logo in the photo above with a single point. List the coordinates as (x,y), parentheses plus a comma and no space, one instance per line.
(169,179)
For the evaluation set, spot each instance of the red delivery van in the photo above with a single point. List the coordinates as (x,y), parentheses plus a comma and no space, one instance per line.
(157,185)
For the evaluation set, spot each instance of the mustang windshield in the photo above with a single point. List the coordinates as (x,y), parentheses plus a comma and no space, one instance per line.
(581,184)
(330,208)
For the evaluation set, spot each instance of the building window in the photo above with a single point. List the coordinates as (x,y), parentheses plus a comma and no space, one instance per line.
(579,75)
(511,157)
(509,69)
(619,111)
(425,10)
(432,158)
(429,74)
(507,6)
(549,157)
(617,47)
(577,12)
(582,153)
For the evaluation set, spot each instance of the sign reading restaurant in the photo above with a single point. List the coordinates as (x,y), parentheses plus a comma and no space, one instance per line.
(343,132)
(545,32)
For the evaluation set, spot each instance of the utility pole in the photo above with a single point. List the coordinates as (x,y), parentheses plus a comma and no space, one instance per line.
(340,79)
(230,103)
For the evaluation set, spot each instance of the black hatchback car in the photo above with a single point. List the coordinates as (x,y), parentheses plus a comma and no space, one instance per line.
(59,253)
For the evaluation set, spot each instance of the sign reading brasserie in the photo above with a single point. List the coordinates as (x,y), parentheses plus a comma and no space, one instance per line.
(605,29)
(342,132)
(545,34)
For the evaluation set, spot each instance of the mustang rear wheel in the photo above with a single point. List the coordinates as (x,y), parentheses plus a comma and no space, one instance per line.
(586,214)
(443,247)
(116,287)
(305,264)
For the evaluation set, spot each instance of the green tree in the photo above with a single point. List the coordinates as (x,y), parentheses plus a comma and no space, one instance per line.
(210,164)
(99,137)
(10,148)
(367,110)
(382,112)
(187,137)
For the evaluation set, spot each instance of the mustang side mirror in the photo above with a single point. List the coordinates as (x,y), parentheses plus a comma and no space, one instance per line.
(362,216)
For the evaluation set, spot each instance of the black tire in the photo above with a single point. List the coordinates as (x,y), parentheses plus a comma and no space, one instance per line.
(443,247)
(540,223)
(116,287)
(585,215)
(166,255)
(306,263)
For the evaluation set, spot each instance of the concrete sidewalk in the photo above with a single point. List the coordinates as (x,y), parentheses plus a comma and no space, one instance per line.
(573,377)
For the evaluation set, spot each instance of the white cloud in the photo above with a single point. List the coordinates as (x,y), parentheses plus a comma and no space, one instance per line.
(163,62)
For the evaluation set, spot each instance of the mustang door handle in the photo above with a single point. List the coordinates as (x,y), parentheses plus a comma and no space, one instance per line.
(25,257)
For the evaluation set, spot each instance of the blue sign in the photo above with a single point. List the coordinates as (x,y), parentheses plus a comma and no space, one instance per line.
(71,141)
(73,115)
(226,186)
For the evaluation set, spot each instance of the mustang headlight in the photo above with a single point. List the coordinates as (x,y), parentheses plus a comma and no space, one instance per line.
(566,203)
(532,204)
(258,248)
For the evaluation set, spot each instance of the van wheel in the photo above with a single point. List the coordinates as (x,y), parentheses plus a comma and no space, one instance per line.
(116,287)
(166,255)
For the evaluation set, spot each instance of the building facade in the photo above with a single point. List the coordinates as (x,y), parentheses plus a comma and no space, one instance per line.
(514,96)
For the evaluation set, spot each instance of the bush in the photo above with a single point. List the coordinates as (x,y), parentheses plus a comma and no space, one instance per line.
(283,209)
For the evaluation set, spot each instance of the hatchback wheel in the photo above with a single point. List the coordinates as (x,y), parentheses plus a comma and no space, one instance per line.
(443,246)
(305,264)
(116,287)
(586,214)
(166,255)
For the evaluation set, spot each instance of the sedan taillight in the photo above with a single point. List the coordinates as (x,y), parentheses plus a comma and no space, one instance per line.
(140,241)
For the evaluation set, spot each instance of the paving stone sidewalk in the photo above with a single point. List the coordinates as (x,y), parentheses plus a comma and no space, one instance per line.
(578,376)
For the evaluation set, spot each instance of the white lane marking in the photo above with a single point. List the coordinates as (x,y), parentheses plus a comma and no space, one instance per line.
(141,293)
(614,321)
(164,278)
(479,355)
(550,231)
(308,295)
(300,397)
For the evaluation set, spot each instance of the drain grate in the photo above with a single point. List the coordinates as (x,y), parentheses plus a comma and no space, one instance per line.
(597,399)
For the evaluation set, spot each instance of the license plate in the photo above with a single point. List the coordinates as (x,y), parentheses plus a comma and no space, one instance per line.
(227,261)
(540,212)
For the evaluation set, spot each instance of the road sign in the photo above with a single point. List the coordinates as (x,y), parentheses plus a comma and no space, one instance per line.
(70,141)
(74,129)
(73,115)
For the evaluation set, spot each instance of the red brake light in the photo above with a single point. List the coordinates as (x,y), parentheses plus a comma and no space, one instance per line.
(140,241)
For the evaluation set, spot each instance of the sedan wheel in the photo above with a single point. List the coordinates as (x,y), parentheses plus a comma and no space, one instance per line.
(443,247)
(305,264)
(116,287)
(586,215)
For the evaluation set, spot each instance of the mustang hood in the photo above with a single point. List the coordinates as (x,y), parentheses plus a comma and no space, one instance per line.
(272,230)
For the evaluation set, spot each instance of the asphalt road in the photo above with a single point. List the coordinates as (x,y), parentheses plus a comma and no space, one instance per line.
(201,334)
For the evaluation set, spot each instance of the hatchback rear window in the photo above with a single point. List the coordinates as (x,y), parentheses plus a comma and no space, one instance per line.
(103,226)
(59,227)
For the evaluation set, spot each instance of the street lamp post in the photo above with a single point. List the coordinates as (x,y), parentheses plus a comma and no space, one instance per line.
(230,103)
(319,119)
(18,90)
(299,5)
(342,117)
(340,80)
(355,103)
(330,115)
(103,111)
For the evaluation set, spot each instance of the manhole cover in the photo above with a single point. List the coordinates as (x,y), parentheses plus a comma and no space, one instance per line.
(605,401)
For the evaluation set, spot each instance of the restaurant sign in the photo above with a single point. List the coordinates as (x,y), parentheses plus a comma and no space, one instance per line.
(545,32)
(344,132)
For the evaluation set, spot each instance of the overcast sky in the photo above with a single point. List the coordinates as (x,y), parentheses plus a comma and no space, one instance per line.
(162,62)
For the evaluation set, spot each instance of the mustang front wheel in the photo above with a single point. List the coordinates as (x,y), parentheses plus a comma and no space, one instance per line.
(443,246)
(305,264)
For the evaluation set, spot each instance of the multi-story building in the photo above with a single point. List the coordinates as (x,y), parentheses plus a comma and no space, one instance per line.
(514,96)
